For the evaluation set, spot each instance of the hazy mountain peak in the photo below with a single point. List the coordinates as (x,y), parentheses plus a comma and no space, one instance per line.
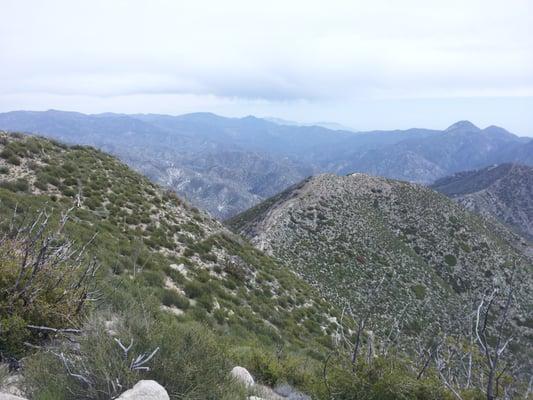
(462,126)
(497,130)
(201,116)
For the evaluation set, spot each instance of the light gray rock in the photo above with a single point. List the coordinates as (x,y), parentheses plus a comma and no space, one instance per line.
(290,393)
(144,390)
(266,393)
(7,396)
(242,376)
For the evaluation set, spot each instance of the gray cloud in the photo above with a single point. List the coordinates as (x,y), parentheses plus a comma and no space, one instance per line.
(291,53)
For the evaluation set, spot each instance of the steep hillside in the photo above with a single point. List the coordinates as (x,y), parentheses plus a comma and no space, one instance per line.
(226,165)
(345,234)
(504,192)
(198,268)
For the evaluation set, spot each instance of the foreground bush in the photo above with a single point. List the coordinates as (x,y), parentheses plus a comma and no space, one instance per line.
(187,360)
(44,285)
(384,378)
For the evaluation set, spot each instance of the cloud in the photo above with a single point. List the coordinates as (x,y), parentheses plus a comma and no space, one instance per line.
(276,50)
(365,63)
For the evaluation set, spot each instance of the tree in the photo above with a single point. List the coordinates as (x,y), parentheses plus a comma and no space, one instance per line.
(500,338)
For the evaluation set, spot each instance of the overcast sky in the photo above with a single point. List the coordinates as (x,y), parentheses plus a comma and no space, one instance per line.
(368,64)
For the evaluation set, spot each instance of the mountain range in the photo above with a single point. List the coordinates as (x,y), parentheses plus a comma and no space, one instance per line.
(226,165)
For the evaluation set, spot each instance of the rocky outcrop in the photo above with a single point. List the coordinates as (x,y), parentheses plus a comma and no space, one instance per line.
(144,390)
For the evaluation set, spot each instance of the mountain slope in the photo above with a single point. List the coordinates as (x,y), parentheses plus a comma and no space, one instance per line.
(504,192)
(198,154)
(344,234)
(147,236)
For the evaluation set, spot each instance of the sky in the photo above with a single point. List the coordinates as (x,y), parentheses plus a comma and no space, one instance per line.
(367,64)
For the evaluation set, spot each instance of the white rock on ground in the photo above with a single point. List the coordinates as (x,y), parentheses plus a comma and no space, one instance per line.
(265,393)
(143,390)
(242,376)
(7,396)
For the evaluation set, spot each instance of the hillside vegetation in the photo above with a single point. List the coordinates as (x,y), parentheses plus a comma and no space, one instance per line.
(150,245)
(504,192)
(404,256)
(117,279)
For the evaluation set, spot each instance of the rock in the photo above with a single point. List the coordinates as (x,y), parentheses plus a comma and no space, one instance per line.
(144,390)
(11,385)
(290,393)
(242,376)
(255,398)
(298,396)
(7,396)
(266,393)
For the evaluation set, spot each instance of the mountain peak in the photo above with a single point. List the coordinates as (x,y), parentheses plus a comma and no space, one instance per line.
(462,126)
(497,130)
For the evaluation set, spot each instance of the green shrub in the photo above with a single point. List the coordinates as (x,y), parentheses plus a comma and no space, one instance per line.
(20,185)
(205,300)
(383,379)
(191,363)
(13,160)
(194,289)
(450,260)
(419,291)
(153,278)
(171,297)
(41,185)
(69,192)
(175,275)
(44,288)
(6,153)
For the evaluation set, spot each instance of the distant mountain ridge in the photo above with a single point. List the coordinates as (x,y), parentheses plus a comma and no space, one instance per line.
(503,191)
(226,165)
(324,124)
